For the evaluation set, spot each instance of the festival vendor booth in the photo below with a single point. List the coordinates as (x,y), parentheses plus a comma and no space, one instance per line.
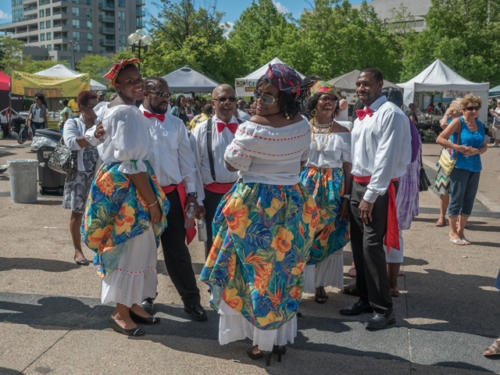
(438,77)
(245,86)
(186,80)
(494,92)
(60,70)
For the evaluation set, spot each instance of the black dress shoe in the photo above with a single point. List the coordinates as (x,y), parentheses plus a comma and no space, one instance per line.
(140,319)
(359,307)
(381,320)
(196,311)
(147,305)
(127,332)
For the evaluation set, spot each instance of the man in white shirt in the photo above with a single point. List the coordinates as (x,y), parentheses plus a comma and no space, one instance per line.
(176,170)
(212,138)
(381,150)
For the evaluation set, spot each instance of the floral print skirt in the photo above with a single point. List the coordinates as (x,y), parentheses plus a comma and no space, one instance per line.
(115,213)
(262,236)
(326,185)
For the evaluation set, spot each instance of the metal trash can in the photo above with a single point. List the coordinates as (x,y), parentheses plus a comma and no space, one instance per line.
(23,186)
(50,181)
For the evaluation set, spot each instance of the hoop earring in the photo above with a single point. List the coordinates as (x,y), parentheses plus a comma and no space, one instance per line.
(287,116)
(313,113)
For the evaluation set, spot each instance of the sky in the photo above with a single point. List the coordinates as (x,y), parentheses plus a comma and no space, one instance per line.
(231,8)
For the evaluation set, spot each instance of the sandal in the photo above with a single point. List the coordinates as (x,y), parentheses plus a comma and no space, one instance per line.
(493,349)
(440,223)
(320,296)
(457,241)
(394,292)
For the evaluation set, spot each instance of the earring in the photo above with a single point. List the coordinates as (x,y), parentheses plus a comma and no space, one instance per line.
(287,116)
(313,113)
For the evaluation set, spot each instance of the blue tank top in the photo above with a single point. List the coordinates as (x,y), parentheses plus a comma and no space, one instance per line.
(469,138)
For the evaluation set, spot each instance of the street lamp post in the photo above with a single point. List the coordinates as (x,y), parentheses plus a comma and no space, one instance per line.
(139,41)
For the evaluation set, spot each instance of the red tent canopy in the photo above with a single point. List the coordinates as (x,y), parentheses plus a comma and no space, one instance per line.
(4,82)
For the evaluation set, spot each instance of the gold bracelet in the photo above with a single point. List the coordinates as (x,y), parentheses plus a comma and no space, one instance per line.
(153,204)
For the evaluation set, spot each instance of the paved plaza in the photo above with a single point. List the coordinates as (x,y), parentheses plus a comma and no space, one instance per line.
(51,321)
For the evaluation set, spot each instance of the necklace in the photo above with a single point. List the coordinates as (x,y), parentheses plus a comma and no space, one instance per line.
(320,129)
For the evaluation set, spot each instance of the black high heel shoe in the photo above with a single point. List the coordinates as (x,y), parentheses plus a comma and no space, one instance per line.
(140,319)
(260,354)
(279,351)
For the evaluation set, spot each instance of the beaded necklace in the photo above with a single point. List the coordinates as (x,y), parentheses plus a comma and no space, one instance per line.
(320,129)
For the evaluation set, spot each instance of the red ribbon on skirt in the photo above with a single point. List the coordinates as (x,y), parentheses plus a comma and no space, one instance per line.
(219,188)
(190,233)
(391,240)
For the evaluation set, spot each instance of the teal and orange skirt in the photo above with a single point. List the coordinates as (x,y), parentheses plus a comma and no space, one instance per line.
(115,213)
(262,236)
(326,185)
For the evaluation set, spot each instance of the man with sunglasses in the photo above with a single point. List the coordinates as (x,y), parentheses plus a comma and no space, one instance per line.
(212,138)
(176,169)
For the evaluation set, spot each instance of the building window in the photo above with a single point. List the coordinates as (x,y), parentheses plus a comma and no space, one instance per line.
(89,48)
(49,36)
(47,12)
(76,35)
(90,36)
(75,11)
(76,23)
(43,2)
(122,40)
(42,37)
(49,47)
(89,24)
(42,25)
(42,12)
(47,24)
(121,20)
(121,3)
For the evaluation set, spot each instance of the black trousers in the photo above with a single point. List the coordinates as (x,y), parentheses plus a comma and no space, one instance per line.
(210,203)
(176,253)
(368,250)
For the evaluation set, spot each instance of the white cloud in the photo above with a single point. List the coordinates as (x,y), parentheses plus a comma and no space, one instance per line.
(227,27)
(280,7)
(3,15)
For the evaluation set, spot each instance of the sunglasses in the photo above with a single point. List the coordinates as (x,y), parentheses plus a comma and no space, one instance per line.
(327,98)
(232,99)
(472,108)
(266,98)
(161,94)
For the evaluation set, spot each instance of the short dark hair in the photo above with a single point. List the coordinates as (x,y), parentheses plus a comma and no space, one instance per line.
(151,82)
(313,102)
(377,74)
(289,104)
(178,100)
(207,109)
(40,96)
(65,102)
(84,97)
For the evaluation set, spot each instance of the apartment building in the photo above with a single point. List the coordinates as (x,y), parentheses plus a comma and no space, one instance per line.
(70,29)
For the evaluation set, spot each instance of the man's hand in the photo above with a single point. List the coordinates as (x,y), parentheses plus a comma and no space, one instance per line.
(99,131)
(365,211)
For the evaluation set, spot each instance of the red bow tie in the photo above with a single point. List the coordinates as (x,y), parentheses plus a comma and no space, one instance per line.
(150,115)
(363,112)
(232,126)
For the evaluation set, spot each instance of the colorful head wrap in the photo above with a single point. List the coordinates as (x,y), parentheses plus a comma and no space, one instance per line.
(324,88)
(113,73)
(284,78)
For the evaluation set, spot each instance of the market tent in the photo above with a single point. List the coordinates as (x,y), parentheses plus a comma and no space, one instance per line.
(245,86)
(4,82)
(60,70)
(347,82)
(439,77)
(186,79)
(494,92)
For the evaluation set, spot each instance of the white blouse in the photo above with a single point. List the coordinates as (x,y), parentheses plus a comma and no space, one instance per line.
(127,138)
(330,150)
(269,155)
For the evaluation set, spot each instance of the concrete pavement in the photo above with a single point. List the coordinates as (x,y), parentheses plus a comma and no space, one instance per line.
(51,321)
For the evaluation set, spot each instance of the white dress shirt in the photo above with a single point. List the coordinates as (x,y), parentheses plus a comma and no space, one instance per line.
(74,128)
(335,149)
(269,155)
(219,143)
(381,147)
(172,158)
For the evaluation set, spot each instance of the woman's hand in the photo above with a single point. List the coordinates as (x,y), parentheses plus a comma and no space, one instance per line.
(155,213)
(82,142)
(344,209)
(99,131)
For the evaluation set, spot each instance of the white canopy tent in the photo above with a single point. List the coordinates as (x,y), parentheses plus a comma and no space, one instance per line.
(438,77)
(60,70)
(186,80)
(245,86)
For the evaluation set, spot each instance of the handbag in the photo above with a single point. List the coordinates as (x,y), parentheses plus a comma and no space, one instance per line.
(423,183)
(446,161)
(63,160)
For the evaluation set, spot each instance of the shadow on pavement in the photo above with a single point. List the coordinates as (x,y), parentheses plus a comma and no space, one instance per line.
(8,371)
(48,265)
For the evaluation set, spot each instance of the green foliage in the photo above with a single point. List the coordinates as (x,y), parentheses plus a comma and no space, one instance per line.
(96,65)
(33,66)
(11,51)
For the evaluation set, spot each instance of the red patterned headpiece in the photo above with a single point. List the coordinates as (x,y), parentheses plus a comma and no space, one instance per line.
(113,73)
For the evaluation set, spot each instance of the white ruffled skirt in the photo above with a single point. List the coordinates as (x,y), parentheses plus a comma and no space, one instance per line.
(233,327)
(395,256)
(329,272)
(135,277)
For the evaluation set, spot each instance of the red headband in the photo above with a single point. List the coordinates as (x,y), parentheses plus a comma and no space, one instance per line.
(113,73)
